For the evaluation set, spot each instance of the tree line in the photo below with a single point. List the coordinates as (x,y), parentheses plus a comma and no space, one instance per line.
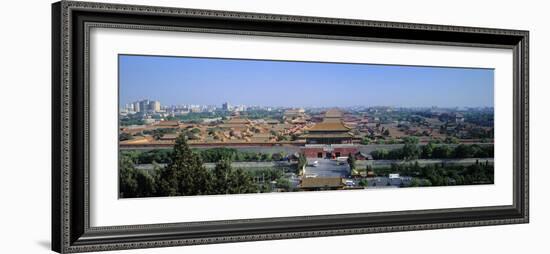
(411,151)
(441,174)
(184,175)
(216,154)
(212,155)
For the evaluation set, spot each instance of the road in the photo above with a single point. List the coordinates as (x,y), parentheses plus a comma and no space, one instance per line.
(271,148)
(243,165)
(327,168)
(388,163)
(288,149)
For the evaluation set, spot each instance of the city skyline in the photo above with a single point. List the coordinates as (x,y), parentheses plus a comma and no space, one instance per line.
(220,105)
(186,81)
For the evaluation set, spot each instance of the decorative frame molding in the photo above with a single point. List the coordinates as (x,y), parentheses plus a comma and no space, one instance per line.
(71,22)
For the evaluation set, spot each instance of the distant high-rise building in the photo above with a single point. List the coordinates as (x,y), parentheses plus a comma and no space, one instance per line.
(226,106)
(144,106)
(129,107)
(239,108)
(136,107)
(155,106)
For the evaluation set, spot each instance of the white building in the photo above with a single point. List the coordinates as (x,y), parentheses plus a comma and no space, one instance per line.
(154,106)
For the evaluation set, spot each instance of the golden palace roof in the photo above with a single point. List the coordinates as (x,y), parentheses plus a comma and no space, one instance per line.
(169,123)
(334,113)
(321,182)
(237,120)
(329,126)
(328,135)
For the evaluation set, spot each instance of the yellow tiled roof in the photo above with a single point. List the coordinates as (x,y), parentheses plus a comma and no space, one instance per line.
(237,121)
(333,113)
(320,182)
(329,126)
(168,123)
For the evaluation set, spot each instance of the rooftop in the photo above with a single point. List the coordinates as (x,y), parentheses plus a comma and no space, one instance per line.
(332,120)
(294,111)
(169,136)
(334,113)
(321,182)
(328,135)
(237,120)
(168,123)
(330,146)
(329,126)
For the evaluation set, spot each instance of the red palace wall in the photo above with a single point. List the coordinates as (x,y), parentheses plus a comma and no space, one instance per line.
(311,152)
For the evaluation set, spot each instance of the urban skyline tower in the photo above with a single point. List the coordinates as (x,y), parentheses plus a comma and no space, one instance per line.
(143,106)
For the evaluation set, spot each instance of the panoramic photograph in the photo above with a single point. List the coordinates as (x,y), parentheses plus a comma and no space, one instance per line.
(212,126)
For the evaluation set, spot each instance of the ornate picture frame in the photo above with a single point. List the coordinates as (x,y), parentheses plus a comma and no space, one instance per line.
(71,229)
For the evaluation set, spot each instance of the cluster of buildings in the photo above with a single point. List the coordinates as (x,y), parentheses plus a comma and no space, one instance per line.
(235,108)
(143,106)
(322,133)
(235,130)
(146,107)
(327,135)
(328,138)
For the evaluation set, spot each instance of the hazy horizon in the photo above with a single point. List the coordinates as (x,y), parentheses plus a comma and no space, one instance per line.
(212,81)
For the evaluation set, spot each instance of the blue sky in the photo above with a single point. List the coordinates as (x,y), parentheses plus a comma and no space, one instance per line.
(185,80)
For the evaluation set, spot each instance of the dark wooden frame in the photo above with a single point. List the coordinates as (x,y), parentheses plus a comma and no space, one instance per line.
(71,22)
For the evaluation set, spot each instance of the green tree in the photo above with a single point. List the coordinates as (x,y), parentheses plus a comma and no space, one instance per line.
(427,150)
(426,182)
(264,188)
(381,154)
(218,153)
(146,186)
(410,151)
(240,182)
(451,140)
(284,183)
(464,151)
(127,182)
(266,157)
(351,161)
(185,174)
(414,169)
(414,183)
(221,175)
(277,156)
(410,140)
(442,152)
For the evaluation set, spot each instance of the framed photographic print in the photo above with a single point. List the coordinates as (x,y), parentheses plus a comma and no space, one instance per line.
(181,126)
